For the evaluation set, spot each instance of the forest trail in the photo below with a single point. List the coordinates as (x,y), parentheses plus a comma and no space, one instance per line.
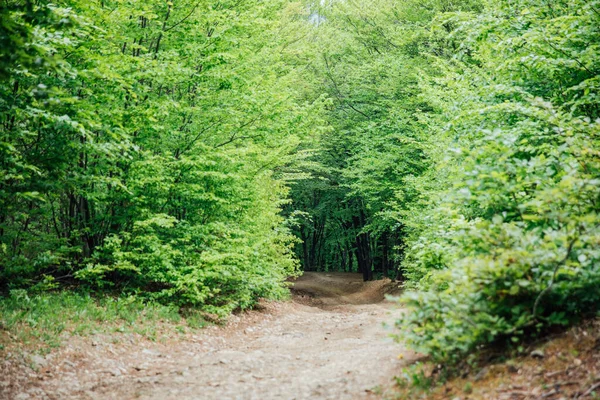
(328,343)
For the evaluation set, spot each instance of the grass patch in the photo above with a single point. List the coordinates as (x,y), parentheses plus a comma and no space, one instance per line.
(42,321)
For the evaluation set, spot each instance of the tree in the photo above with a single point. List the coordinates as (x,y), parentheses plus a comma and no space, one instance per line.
(144,156)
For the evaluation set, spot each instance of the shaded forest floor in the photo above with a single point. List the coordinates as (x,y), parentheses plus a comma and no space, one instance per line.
(328,343)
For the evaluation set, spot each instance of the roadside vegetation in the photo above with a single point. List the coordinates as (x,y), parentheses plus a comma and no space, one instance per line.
(37,323)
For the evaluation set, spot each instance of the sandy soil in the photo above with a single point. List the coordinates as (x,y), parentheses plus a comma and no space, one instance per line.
(328,343)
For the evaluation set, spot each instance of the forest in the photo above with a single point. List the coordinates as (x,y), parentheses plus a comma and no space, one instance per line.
(198,153)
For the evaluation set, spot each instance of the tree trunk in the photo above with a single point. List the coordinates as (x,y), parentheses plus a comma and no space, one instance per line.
(350,260)
(363,247)
(385,255)
(304,250)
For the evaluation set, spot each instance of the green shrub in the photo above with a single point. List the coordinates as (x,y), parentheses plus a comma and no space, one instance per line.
(510,245)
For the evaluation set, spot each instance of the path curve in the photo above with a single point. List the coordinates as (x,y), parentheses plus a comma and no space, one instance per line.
(329,343)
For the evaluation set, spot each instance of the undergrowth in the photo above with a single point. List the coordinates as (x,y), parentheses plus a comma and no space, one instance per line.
(44,321)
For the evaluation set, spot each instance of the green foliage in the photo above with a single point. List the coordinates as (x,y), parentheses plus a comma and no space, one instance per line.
(374,149)
(509,245)
(141,149)
(414,376)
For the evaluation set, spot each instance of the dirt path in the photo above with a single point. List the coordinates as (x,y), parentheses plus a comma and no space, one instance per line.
(329,343)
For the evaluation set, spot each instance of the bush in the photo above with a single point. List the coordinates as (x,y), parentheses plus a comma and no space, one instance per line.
(514,244)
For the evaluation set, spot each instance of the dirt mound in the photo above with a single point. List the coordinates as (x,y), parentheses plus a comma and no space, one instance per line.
(339,288)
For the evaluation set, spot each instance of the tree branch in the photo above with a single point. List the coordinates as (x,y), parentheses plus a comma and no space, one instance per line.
(183,19)
(558,265)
